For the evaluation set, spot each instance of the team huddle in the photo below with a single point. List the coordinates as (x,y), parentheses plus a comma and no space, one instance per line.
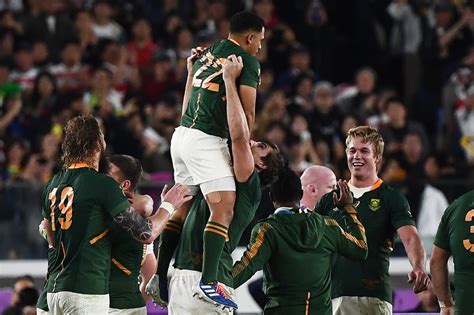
(325,249)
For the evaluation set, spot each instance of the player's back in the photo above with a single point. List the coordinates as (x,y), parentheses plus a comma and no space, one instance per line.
(458,224)
(127,257)
(79,202)
(206,110)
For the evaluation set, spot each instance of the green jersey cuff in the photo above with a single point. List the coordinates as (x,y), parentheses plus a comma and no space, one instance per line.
(401,223)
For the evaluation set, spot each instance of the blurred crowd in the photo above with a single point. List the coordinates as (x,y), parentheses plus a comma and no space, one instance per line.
(404,66)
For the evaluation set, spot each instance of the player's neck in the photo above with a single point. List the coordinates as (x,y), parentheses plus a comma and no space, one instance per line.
(235,39)
(84,164)
(307,202)
(364,182)
(286,205)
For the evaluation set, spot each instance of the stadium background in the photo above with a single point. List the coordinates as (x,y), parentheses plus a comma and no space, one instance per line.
(406,67)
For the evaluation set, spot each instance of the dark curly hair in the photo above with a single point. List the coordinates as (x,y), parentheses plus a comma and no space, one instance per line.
(274,162)
(81,136)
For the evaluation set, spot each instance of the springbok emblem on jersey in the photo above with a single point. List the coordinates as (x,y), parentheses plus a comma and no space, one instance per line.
(374,204)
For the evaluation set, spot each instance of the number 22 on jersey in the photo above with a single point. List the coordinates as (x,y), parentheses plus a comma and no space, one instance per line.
(213,64)
(64,205)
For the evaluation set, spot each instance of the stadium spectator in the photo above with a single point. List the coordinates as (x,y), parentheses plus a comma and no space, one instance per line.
(141,47)
(324,121)
(428,302)
(299,64)
(398,127)
(21,283)
(44,96)
(359,100)
(465,120)
(25,72)
(70,72)
(161,79)
(83,27)
(41,57)
(104,26)
(49,26)
(102,95)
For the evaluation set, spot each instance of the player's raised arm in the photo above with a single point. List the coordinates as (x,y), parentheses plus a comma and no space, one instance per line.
(147,230)
(238,128)
(195,53)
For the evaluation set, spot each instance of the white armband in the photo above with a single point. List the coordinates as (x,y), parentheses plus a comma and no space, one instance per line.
(168,207)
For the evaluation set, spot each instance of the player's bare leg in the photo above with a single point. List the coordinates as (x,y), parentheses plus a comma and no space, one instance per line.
(221,205)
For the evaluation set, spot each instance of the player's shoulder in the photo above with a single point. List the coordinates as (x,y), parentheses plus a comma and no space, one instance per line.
(390,192)
(249,60)
(265,225)
(465,201)
(466,198)
(97,181)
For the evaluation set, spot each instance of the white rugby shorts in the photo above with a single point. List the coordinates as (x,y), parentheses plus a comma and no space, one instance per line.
(199,158)
(76,303)
(353,305)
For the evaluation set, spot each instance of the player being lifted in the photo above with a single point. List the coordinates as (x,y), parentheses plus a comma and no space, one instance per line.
(199,147)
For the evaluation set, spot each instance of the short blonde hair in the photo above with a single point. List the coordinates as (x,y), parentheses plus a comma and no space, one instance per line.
(367,134)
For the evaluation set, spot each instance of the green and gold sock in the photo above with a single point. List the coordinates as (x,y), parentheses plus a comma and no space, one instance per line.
(215,236)
(169,240)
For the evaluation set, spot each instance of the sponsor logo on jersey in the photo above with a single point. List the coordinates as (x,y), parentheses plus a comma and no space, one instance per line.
(374,204)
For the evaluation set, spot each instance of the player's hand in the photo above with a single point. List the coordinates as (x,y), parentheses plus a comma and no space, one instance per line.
(232,67)
(196,53)
(163,192)
(42,229)
(153,290)
(420,280)
(447,311)
(345,196)
(177,195)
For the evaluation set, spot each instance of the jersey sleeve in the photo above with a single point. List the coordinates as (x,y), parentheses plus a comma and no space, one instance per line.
(351,242)
(325,204)
(442,238)
(400,214)
(113,199)
(250,74)
(45,210)
(257,254)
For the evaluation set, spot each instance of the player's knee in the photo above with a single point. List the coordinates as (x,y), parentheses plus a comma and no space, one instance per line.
(221,202)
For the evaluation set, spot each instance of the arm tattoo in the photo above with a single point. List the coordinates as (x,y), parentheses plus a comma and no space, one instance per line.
(134,224)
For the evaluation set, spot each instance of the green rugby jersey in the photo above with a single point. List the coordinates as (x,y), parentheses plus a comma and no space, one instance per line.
(190,247)
(42,303)
(127,258)
(206,109)
(456,234)
(382,211)
(79,202)
(295,253)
